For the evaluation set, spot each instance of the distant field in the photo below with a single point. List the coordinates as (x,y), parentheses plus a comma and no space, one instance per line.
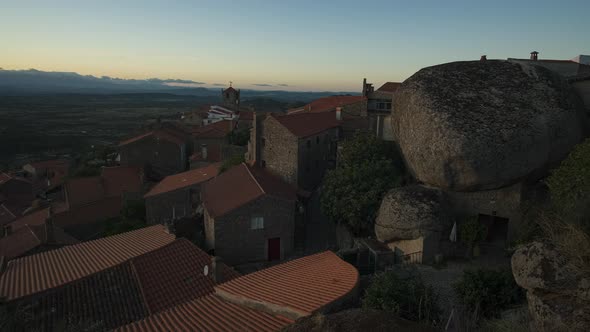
(38,126)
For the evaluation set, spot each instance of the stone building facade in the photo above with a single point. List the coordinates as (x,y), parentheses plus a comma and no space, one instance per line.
(254,223)
(379,108)
(160,152)
(177,196)
(297,147)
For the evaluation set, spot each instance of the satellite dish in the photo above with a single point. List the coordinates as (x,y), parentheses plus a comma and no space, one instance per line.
(206,270)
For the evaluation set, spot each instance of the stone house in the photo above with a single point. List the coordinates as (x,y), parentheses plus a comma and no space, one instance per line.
(160,152)
(353,111)
(89,201)
(379,107)
(177,196)
(249,215)
(298,147)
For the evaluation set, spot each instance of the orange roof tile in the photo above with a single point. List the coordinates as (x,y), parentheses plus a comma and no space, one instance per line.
(33,274)
(184,179)
(209,313)
(301,287)
(220,195)
(330,103)
(120,179)
(389,86)
(35,218)
(173,274)
(306,124)
(84,190)
(218,129)
(19,242)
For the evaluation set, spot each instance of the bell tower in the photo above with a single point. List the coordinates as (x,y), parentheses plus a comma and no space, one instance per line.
(231,97)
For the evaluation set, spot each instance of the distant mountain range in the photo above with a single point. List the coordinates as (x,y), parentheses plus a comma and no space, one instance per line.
(36,82)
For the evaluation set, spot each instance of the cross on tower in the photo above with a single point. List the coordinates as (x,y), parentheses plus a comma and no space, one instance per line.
(230,82)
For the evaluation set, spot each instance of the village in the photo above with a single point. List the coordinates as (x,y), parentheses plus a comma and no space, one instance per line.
(232,219)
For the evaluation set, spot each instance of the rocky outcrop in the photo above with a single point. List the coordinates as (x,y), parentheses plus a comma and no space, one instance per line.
(467,126)
(411,212)
(558,293)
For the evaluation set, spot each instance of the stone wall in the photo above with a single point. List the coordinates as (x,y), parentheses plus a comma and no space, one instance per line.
(159,208)
(354,118)
(503,202)
(165,158)
(582,88)
(316,153)
(279,150)
(233,239)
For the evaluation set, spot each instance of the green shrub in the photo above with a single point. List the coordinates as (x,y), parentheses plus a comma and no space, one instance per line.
(471,231)
(490,291)
(409,298)
(231,162)
(367,169)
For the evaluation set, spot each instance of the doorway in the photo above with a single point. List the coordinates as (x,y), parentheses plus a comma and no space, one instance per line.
(497,229)
(274,249)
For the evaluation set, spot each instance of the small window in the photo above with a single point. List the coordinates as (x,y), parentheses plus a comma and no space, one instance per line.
(309,144)
(257,223)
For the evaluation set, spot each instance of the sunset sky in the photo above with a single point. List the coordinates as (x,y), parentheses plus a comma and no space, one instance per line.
(307,45)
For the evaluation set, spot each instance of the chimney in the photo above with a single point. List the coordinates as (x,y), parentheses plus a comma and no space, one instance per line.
(338,113)
(216,269)
(534,55)
(483,58)
(204,151)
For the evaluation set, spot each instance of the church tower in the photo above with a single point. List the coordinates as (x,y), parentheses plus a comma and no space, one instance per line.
(231,98)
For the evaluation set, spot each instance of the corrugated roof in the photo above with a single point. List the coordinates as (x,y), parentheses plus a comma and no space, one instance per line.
(239,185)
(19,242)
(301,286)
(209,313)
(184,179)
(306,124)
(389,86)
(32,274)
(173,274)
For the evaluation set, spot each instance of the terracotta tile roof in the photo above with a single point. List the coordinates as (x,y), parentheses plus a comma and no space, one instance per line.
(220,195)
(4,177)
(218,129)
(173,274)
(184,179)
(35,218)
(389,87)
(158,133)
(230,89)
(209,313)
(306,124)
(302,286)
(107,299)
(28,237)
(121,179)
(84,190)
(33,274)
(330,103)
(6,216)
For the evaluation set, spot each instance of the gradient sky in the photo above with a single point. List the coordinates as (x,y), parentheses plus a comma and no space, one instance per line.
(308,45)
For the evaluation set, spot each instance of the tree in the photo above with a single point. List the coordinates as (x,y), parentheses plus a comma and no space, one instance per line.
(409,298)
(239,136)
(367,169)
(132,217)
(231,162)
(569,186)
(491,291)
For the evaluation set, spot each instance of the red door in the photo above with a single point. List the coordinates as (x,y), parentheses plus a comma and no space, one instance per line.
(274,249)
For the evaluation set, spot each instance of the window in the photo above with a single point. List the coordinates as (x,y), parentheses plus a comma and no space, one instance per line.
(257,223)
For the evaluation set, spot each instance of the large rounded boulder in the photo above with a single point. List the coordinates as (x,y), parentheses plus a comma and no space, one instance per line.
(469,126)
(407,213)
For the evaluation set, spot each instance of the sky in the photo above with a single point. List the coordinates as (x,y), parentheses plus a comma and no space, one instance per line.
(294,45)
